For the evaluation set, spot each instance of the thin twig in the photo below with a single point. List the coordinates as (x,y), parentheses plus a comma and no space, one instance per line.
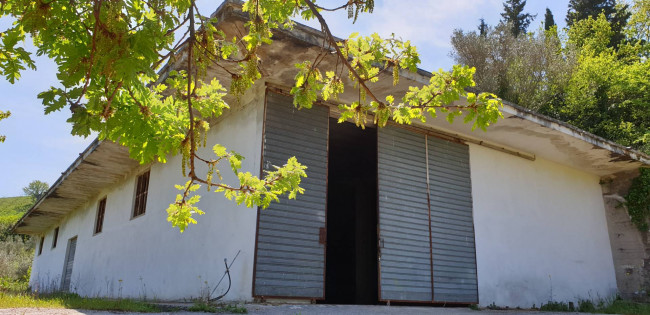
(345,61)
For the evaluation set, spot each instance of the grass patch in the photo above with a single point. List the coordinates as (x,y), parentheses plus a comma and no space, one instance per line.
(8,284)
(73,301)
(601,307)
(555,307)
(234,309)
(625,307)
(200,306)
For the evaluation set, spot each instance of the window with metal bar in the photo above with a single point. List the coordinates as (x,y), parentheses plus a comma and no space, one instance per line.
(99,221)
(56,237)
(142,186)
(40,246)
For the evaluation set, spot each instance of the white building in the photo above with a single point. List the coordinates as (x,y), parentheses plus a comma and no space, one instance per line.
(430,213)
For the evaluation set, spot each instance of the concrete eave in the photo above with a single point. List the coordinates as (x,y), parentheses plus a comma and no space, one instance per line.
(102,163)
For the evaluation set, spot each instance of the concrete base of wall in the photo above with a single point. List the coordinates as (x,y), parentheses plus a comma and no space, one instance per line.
(630,247)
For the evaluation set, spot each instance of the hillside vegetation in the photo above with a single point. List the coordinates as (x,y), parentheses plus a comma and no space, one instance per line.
(15,251)
(12,208)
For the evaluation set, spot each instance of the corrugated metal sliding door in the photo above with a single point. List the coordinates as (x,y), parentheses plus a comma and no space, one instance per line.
(404,247)
(290,255)
(452,227)
(426,238)
(67,264)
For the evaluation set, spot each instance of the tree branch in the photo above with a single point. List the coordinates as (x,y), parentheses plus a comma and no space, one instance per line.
(93,49)
(333,42)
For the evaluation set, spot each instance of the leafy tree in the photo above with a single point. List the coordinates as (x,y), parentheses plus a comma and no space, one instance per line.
(638,27)
(530,70)
(580,79)
(108,54)
(616,14)
(549,22)
(482,27)
(582,9)
(513,15)
(606,92)
(36,189)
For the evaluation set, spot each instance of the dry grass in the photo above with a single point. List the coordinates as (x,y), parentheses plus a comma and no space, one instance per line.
(73,301)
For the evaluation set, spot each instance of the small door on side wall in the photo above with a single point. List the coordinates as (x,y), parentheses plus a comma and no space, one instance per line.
(68,263)
(290,254)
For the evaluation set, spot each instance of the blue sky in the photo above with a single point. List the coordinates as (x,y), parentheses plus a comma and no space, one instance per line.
(40,146)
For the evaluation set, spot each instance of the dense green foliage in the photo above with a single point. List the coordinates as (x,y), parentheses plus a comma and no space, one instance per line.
(108,54)
(16,252)
(638,200)
(14,206)
(616,13)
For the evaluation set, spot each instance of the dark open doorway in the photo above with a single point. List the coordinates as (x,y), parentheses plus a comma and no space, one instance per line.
(351,268)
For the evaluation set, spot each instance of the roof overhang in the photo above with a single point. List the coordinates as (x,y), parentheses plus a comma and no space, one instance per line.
(101,165)
(521,132)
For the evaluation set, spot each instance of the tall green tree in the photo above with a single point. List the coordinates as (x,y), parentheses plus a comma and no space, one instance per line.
(582,9)
(616,13)
(549,21)
(108,54)
(513,15)
(482,27)
(36,189)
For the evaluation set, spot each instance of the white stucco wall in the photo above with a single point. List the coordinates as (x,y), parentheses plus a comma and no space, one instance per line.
(541,232)
(145,256)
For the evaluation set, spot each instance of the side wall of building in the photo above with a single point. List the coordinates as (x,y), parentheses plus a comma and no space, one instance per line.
(144,257)
(630,247)
(541,232)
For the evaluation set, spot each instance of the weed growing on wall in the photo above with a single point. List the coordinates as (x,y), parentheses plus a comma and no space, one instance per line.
(638,200)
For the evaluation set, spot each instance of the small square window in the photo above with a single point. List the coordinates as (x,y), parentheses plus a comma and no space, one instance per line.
(56,237)
(99,221)
(40,246)
(142,187)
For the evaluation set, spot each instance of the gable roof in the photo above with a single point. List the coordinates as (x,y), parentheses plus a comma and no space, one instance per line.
(522,132)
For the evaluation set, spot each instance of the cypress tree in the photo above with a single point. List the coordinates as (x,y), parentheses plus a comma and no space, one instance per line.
(513,15)
(548,20)
(581,9)
(482,27)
